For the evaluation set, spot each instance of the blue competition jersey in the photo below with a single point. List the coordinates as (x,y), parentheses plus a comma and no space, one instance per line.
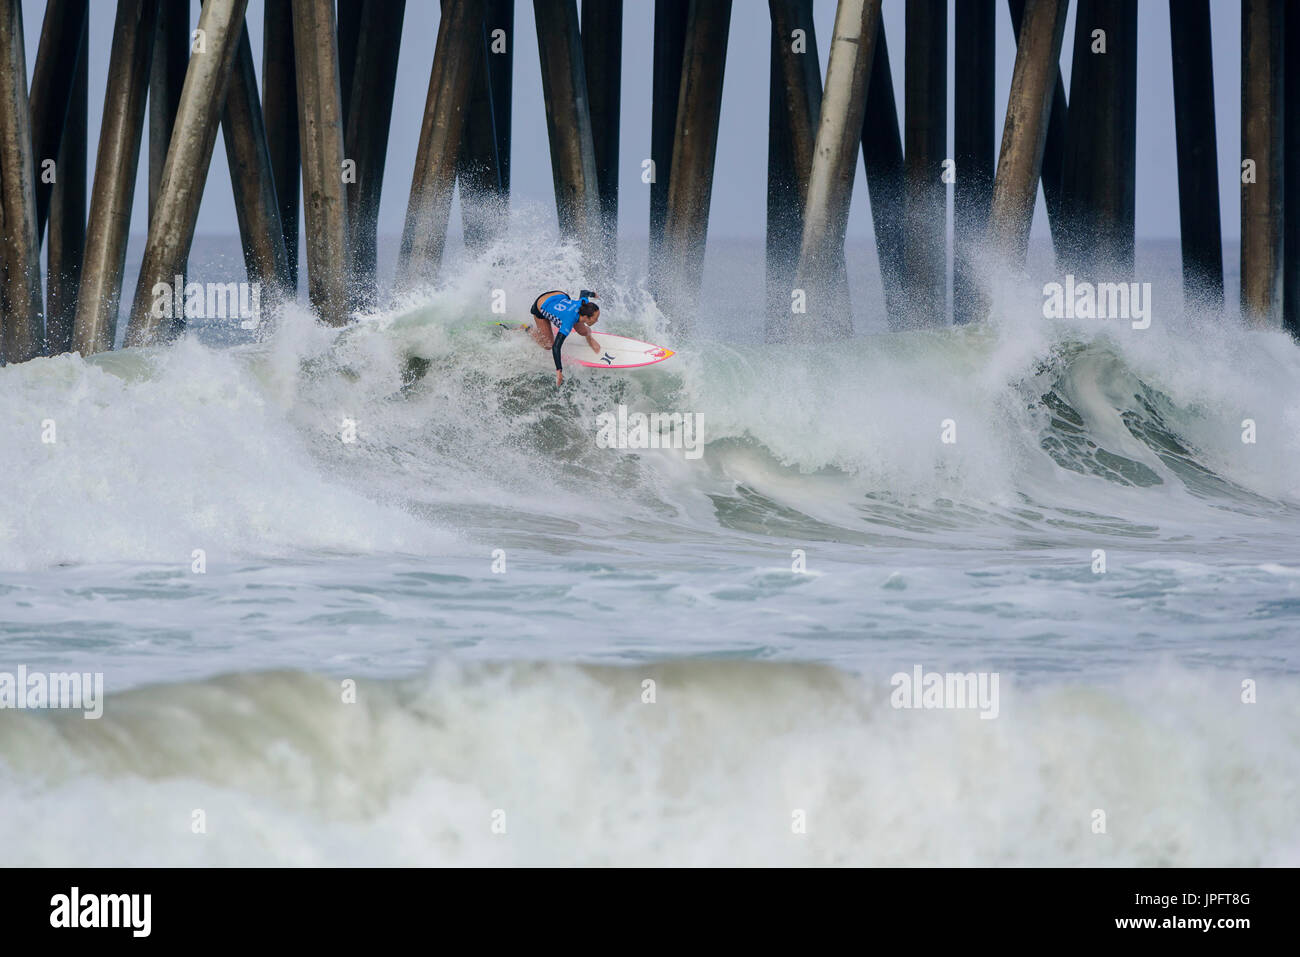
(562,312)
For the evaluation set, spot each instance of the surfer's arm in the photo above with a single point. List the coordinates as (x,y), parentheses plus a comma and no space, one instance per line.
(584,330)
(556,346)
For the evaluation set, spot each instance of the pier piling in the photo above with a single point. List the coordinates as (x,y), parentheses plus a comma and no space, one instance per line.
(66,244)
(1024,131)
(320,131)
(366,138)
(23,326)
(1052,165)
(171,54)
(460,40)
(280,115)
(116,161)
(973,146)
(1102,139)
(666,84)
(186,171)
(925,147)
(1198,178)
(256,208)
(1261,146)
(568,125)
(695,147)
(53,77)
(602,58)
(835,157)
(882,162)
(794,107)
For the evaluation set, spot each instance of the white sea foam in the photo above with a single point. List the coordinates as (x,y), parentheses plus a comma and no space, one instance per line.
(720,769)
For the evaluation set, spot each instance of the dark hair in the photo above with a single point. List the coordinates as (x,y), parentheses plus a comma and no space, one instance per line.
(588,309)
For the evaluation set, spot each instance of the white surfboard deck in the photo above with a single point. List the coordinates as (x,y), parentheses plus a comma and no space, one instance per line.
(616,352)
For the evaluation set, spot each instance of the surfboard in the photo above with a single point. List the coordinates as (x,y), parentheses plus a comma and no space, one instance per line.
(616,352)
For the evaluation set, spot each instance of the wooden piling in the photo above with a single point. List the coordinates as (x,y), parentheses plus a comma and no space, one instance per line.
(568,124)
(1198,179)
(171,55)
(280,115)
(975,27)
(130,63)
(1052,166)
(366,140)
(260,230)
(479,166)
(195,133)
(1291,191)
(1261,143)
(23,327)
(666,84)
(695,145)
(320,130)
(500,16)
(455,59)
(1024,131)
(350,14)
(53,76)
(835,155)
(67,224)
(925,147)
(1101,148)
(602,58)
(882,162)
(794,107)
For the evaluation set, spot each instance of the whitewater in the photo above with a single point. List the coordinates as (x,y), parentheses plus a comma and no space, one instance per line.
(377,595)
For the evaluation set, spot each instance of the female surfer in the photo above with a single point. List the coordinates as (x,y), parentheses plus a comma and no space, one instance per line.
(555,315)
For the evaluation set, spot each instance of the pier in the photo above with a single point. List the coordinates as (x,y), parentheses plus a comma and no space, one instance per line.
(322,117)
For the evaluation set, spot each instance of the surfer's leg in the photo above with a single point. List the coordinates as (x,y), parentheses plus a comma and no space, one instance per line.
(541,333)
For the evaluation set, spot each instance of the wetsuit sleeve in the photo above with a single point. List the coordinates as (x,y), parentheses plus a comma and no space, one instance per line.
(555,347)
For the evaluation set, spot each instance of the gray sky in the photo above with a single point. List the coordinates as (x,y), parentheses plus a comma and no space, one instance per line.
(739,205)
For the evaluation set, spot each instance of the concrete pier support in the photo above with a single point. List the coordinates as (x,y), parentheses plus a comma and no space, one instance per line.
(1024,131)
(925,147)
(320,131)
(1262,30)
(67,227)
(366,139)
(186,170)
(835,156)
(460,39)
(23,322)
(974,148)
(116,162)
(695,146)
(62,33)
(260,230)
(568,123)
(794,108)
(1101,147)
(280,114)
(1198,175)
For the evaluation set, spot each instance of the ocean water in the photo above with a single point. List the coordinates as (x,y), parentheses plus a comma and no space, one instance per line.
(473,635)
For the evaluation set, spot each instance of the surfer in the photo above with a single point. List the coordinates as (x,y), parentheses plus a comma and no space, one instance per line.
(555,315)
